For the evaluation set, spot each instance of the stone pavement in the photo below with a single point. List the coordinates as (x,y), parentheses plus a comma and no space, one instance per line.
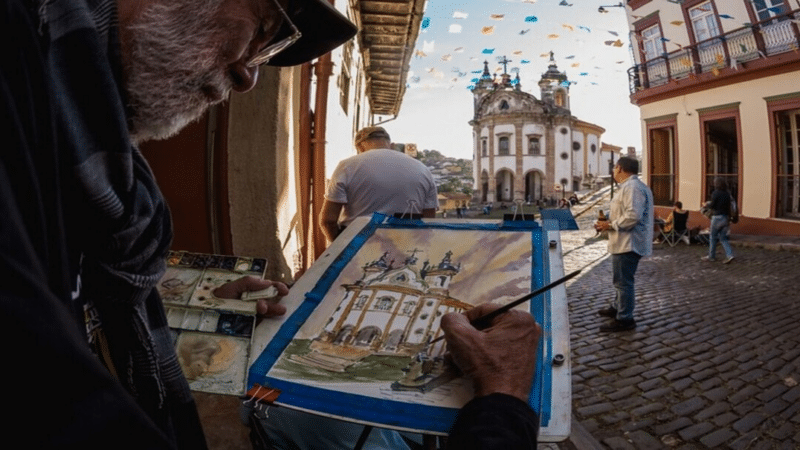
(714,361)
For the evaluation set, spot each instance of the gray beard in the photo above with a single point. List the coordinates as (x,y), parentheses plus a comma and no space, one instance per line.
(173,67)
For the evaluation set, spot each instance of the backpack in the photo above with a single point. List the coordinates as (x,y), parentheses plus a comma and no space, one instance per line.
(734,211)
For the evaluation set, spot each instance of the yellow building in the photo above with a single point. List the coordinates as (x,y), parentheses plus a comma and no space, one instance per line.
(718,86)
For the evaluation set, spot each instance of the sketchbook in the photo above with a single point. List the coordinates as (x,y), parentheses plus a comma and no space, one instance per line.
(357,342)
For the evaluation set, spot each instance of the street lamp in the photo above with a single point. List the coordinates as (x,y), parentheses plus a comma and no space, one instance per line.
(603,10)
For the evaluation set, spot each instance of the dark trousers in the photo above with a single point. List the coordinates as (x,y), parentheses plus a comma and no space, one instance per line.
(624,266)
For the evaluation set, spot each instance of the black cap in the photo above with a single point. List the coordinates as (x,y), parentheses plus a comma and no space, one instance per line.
(323,28)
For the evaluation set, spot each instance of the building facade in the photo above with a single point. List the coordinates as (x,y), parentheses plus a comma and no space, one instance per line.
(393,310)
(718,86)
(531,149)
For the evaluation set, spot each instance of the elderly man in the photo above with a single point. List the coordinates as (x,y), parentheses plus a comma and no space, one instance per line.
(378,179)
(630,236)
(85,230)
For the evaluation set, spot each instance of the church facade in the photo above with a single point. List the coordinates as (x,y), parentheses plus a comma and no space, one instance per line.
(529,149)
(392,310)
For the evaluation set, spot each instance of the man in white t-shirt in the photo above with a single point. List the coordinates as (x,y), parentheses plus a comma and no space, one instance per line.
(378,179)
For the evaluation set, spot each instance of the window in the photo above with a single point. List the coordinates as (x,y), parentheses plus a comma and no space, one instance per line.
(362,300)
(384,304)
(503,105)
(502,146)
(483,147)
(721,154)
(593,148)
(561,98)
(652,43)
(661,162)
(788,159)
(704,21)
(767,9)
(534,147)
(564,155)
(576,146)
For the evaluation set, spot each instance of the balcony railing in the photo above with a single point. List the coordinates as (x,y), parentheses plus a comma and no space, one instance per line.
(769,37)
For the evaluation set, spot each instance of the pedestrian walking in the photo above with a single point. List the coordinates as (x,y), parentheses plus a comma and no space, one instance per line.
(720,206)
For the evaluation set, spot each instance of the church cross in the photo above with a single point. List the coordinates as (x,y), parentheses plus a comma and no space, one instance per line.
(504,62)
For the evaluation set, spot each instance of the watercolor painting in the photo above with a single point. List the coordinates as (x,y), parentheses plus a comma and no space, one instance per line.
(213,363)
(372,332)
(191,278)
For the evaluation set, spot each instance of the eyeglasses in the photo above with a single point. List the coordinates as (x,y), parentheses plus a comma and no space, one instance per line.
(264,55)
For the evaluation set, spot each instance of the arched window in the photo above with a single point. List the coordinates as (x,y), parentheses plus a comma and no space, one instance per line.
(503,105)
(384,304)
(560,98)
(483,147)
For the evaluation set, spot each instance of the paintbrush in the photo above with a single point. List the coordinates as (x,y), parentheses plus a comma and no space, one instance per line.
(485,321)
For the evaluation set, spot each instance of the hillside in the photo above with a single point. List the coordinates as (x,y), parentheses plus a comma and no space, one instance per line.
(451,174)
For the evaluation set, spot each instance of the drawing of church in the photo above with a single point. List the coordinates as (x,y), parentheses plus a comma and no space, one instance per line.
(392,310)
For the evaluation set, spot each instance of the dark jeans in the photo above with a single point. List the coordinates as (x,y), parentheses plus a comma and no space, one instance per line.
(624,266)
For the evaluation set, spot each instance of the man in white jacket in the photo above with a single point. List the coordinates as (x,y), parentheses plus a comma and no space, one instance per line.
(630,236)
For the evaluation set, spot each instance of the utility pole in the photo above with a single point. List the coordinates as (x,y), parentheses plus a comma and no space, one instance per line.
(611,172)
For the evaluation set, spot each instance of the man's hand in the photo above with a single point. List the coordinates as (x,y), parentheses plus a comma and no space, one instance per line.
(264,307)
(499,359)
(602,225)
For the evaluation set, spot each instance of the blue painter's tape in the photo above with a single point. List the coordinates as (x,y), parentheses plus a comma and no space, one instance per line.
(369,409)
(395,413)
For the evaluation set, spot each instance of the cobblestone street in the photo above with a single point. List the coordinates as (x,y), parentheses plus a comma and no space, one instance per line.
(714,361)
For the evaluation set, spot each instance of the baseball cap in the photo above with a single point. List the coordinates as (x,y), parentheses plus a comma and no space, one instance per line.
(371,132)
(322,26)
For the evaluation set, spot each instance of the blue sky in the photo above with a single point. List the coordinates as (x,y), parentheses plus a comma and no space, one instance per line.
(457,36)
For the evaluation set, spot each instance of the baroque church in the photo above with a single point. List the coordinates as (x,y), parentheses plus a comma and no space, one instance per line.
(529,149)
(391,310)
